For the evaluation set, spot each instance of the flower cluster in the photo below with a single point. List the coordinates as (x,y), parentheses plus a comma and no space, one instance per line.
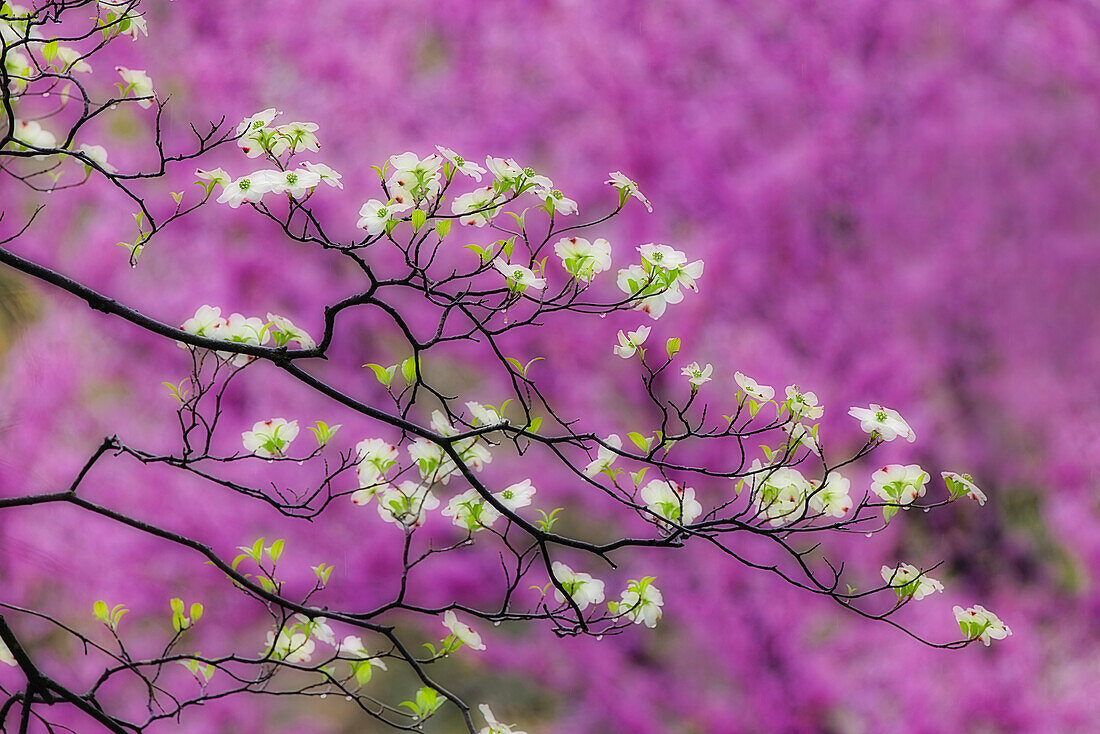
(656,281)
(209,322)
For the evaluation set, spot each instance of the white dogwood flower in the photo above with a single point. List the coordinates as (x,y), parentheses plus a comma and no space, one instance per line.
(475,206)
(270,438)
(516,495)
(295,137)
(962,485)
(375,215)
(803,404)
(470,511)
(326,174)
(885,422)
(630,341)
(463,166)
(138,82)
(627,187)
(293,647)
(908,581)
(583,589)
(285,332)
(31,133)
(899,484)
(583,259)
(667,500)
(461,632)
(752,388)
(832,498)
(98,154)
(492,726)
(407,504)
(697,375)
(641,602)
(605,457)
(978,623)
(519,277)
(296,183)
(779,494)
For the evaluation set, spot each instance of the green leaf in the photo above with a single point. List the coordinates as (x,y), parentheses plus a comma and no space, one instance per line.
(178,196)
(418,219)
(672,346)
(276,550)
(383,374)
(889,511)
(49,51)
(443,228)
(484,255)
(639,440)
(536,423)
(258,549)
(196,612)
(409,368)
(99,609)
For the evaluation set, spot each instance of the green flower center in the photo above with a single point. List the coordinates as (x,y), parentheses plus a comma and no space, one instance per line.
(245,184)
(292,178)
(517,274)
(528,171)
(382,212)
(460,161)
(508,494)
(880,416)
(557,194)
(258,124)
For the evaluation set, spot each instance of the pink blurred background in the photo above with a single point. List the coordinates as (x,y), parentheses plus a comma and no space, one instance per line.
(897,203)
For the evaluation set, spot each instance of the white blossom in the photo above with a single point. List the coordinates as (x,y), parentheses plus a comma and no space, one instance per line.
(326,174)
(31,133)
(605,457)
(470,511)
(752,388)
(628,187)
(295,137)
(779,494)
(584,589)
(519,277)
(462,632)
(583,259)
(406,505)
(979,623)
(630,341)
(697,375)
(899,484)
(667,500)
(270,438)
(492,725)
(98,154)
(909,581)
(885,422)
(287,332)
(293,647)
(803,404)
(641,602)
(475,206)
(832,498)
(138,82)
(5,655)
(516,495)
(296,183)
(463,166)
(962,485)
(375,215)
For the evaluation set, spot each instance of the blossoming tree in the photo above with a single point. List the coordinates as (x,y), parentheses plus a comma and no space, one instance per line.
(419,476)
